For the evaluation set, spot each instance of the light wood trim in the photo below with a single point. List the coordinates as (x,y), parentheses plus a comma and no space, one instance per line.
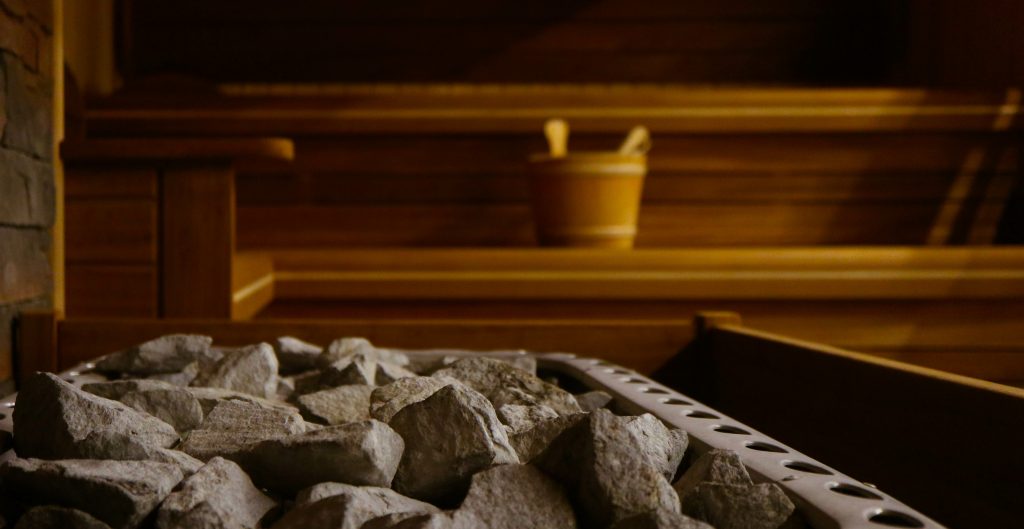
(177,149)
(252,284)
(765,273)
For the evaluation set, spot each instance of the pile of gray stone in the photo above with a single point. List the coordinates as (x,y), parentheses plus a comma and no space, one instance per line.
(291,435)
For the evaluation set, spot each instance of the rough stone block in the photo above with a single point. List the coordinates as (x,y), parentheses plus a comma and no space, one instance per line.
(295,355)
(24,263)
(119,493)
(29,126)
(714,466)
(54,517)
(593,400)
(166,354)
(386,401)
(530,443)
(232,425)
(660,519)
(513,497)
(55,420)
(251,369)
(663,446)
(219,495)
(449,436)
(503,384)
(361,453)
(760,506)
(176,407)
(607,471)
(350,507)
(337,405)
(27,187)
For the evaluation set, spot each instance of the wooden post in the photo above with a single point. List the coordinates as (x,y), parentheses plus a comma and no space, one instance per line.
(36,343)
(198,240)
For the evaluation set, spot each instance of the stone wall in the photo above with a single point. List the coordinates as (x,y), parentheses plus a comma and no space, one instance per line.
(26,165)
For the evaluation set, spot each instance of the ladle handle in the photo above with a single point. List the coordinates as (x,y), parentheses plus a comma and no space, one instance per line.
(638,141)
(557,132)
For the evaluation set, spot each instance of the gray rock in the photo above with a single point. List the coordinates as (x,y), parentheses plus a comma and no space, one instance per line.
(660,519)
(761,506)
(166,354)
(219,495)
(388,373)
(437,520)
(714,466)
(427,361)
(337,405)
(344,349)
(521,418)
(115,389)
(449,436)
(503,384)
(386,401)
(285,388)
(350,508)
(663,446)
(209,398)
(179,378)
(295,355)
(56,420)
(176,407)
(251,369)
(54,517)
(514,497)
(119,493)
(531,442)
(358,369)
(232,425)
(305,382)
(359,453)
(593,400)
(186,463)
(607,473)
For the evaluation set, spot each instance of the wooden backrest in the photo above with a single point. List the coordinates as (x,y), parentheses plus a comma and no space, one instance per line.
(944,444)
(428,165)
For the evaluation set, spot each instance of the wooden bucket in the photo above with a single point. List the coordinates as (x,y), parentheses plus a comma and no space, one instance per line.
(587,199)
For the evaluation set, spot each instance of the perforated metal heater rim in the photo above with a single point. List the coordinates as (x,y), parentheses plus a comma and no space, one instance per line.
(825,497)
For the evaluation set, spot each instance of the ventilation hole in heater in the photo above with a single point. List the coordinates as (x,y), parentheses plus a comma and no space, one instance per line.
(894,519)
(676,402)
(724,428)
(701,415)
(766,447)
(3,416)
(636,381)
(657,391)
(616,371)
(806,467)
(853,490)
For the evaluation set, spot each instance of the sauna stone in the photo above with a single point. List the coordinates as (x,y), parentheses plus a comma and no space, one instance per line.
(358,369)
(209,398)
(116,389)
(232,425)
(344,349)
(360,453)
(760,506)
(664,446)
(119,493)
(519,418)
(410,521)
(295,355)
(386,401)
(607,471)
(593,400)
(449,436)
(350,508)
(511,497)
(178,378)
(55,517)
(337,405)
(660,519)
(388,373)
(715,466)
(218,495)
(176,407)
(251,369)
(530,443)
(167,354)
(56,420)
(502,384)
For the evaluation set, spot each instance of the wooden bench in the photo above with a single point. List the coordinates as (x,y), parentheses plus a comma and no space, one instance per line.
(945,444)
(150,227)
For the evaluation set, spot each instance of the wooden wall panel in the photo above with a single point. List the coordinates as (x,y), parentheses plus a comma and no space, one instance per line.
(775,41)
(105,230)
(113,290)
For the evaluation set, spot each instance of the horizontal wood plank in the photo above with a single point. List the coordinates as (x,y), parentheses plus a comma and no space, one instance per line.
(179,149)
(126,291)
(111,231)
(110,182)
